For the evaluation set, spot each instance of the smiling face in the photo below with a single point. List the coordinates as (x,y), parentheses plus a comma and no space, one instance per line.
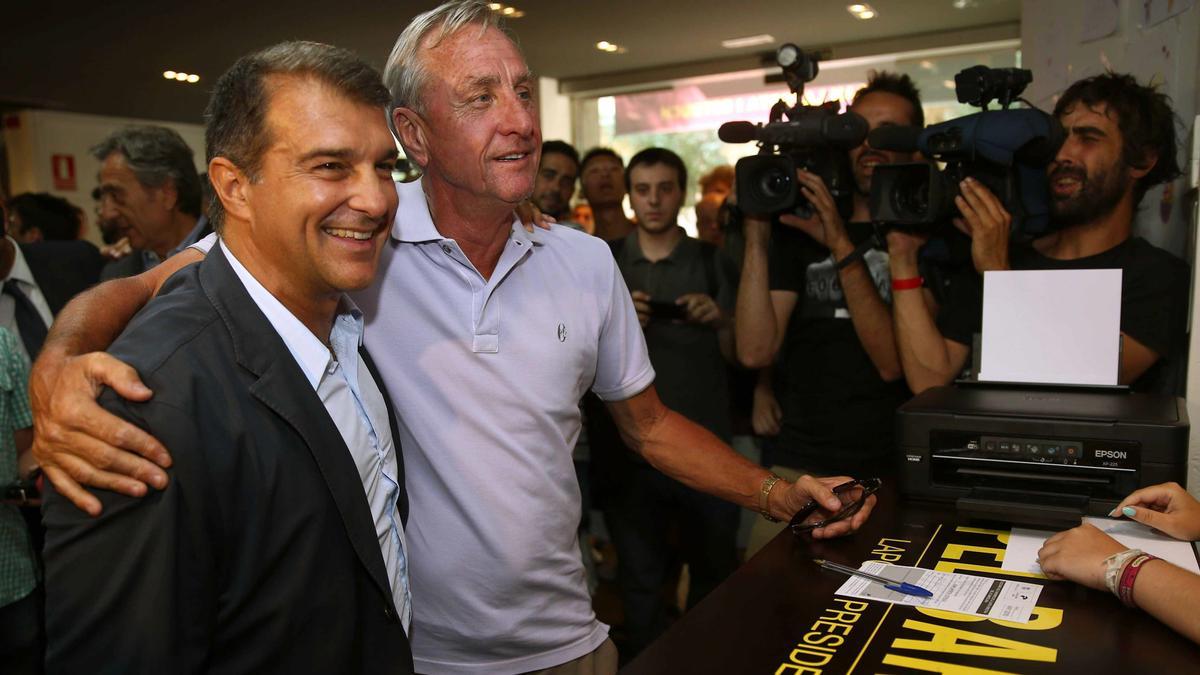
(1089,176)
(478,137)
(879,109)
(655,196)
(320,209)
(555,184)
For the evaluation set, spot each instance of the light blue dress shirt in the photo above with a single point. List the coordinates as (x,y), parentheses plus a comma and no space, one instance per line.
(354,402)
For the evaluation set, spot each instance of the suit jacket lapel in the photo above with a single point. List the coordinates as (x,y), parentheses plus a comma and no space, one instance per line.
(282,387)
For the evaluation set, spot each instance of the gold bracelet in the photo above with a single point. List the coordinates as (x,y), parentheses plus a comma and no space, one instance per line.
(768,484)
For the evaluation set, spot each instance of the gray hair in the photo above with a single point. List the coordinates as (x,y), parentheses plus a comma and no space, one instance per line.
(237,111)
(405,73)
(156,154)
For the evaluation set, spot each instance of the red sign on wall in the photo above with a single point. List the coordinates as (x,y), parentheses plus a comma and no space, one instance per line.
(63,168)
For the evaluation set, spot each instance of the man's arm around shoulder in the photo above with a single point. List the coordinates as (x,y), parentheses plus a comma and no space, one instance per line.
(75,441)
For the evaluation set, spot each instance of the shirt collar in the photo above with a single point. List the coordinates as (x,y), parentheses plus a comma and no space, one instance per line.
(20,269)
(413,223)
(634,247)
(312,355)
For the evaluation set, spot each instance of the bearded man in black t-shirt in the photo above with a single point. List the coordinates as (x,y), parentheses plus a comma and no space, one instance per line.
(1120,142)
(832,375)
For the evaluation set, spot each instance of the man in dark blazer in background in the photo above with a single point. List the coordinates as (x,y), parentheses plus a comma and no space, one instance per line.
(278,544)
(38,279)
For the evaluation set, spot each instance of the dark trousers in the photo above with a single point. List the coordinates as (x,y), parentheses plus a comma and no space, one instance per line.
(22,639)
(642,515)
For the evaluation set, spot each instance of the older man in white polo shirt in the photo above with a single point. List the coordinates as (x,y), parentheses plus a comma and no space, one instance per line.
(486,337)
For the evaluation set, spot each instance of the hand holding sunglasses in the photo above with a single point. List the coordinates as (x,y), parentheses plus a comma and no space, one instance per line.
(856,498)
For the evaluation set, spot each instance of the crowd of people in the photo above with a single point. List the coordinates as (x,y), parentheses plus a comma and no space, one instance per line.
(316,420)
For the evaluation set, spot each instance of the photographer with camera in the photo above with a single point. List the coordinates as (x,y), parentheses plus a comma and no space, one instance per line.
(829,330)
(1120,141)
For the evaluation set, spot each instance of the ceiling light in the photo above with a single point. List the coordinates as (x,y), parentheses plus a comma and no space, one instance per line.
(862,11)
(506,10)
(603,44)
(180,76)
(949,84)
(751,41)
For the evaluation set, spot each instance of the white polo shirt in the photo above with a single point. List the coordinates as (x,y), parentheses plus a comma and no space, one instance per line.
(485,376)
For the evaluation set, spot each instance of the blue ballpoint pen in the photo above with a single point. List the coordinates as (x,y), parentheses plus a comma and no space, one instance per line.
(890,584)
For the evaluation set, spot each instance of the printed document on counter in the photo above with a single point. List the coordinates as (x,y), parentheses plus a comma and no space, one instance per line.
(964,593)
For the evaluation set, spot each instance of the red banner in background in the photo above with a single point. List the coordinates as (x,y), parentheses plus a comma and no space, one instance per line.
(688,109)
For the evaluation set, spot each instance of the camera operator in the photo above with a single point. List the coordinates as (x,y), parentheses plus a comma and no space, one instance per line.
(838,370)
(1120,141)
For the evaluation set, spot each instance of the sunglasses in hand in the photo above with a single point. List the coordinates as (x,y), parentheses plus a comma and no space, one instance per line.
(852,494)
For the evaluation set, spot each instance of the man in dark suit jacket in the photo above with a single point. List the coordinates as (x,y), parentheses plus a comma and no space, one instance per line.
(277,546)
(63,269)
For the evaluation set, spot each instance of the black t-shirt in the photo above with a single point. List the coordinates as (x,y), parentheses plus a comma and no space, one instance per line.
(838,414)
(1154,303)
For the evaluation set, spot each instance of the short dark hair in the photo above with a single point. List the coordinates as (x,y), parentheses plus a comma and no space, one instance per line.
(599,152)
(898,84)
(563,148)
(652,156)
(156,154)
(237,111)
(54,216)
(1144,116)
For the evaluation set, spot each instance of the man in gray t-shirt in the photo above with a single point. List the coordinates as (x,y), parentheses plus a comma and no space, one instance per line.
(684,299)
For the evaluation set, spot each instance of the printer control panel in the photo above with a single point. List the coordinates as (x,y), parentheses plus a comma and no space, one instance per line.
(1061,451)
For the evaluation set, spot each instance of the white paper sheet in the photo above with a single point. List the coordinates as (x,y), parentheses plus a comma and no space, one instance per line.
(1023,544)
(1051,326)
(963,593)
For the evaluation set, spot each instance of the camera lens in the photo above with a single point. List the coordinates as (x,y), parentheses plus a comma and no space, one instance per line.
(910,195)
(775,183)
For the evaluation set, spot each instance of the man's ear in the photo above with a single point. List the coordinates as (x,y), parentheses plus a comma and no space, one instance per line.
(168,194)
(413,135)
(1149,160)
(230,185)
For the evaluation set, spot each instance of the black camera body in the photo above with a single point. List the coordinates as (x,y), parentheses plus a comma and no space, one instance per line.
(814,138)
(1005,150)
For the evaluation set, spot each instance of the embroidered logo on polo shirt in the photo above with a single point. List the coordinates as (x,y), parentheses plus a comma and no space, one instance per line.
(562,332)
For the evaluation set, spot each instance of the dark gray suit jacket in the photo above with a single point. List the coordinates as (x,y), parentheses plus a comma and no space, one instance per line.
(261,555)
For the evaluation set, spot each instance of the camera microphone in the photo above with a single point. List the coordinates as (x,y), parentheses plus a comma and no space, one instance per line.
(738,132)
(845,130)
(895,138)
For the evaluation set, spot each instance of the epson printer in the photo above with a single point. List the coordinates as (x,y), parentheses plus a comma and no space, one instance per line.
(1035,455)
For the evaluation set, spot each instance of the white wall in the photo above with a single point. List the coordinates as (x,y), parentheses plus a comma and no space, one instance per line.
(32,137)
(555,110)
